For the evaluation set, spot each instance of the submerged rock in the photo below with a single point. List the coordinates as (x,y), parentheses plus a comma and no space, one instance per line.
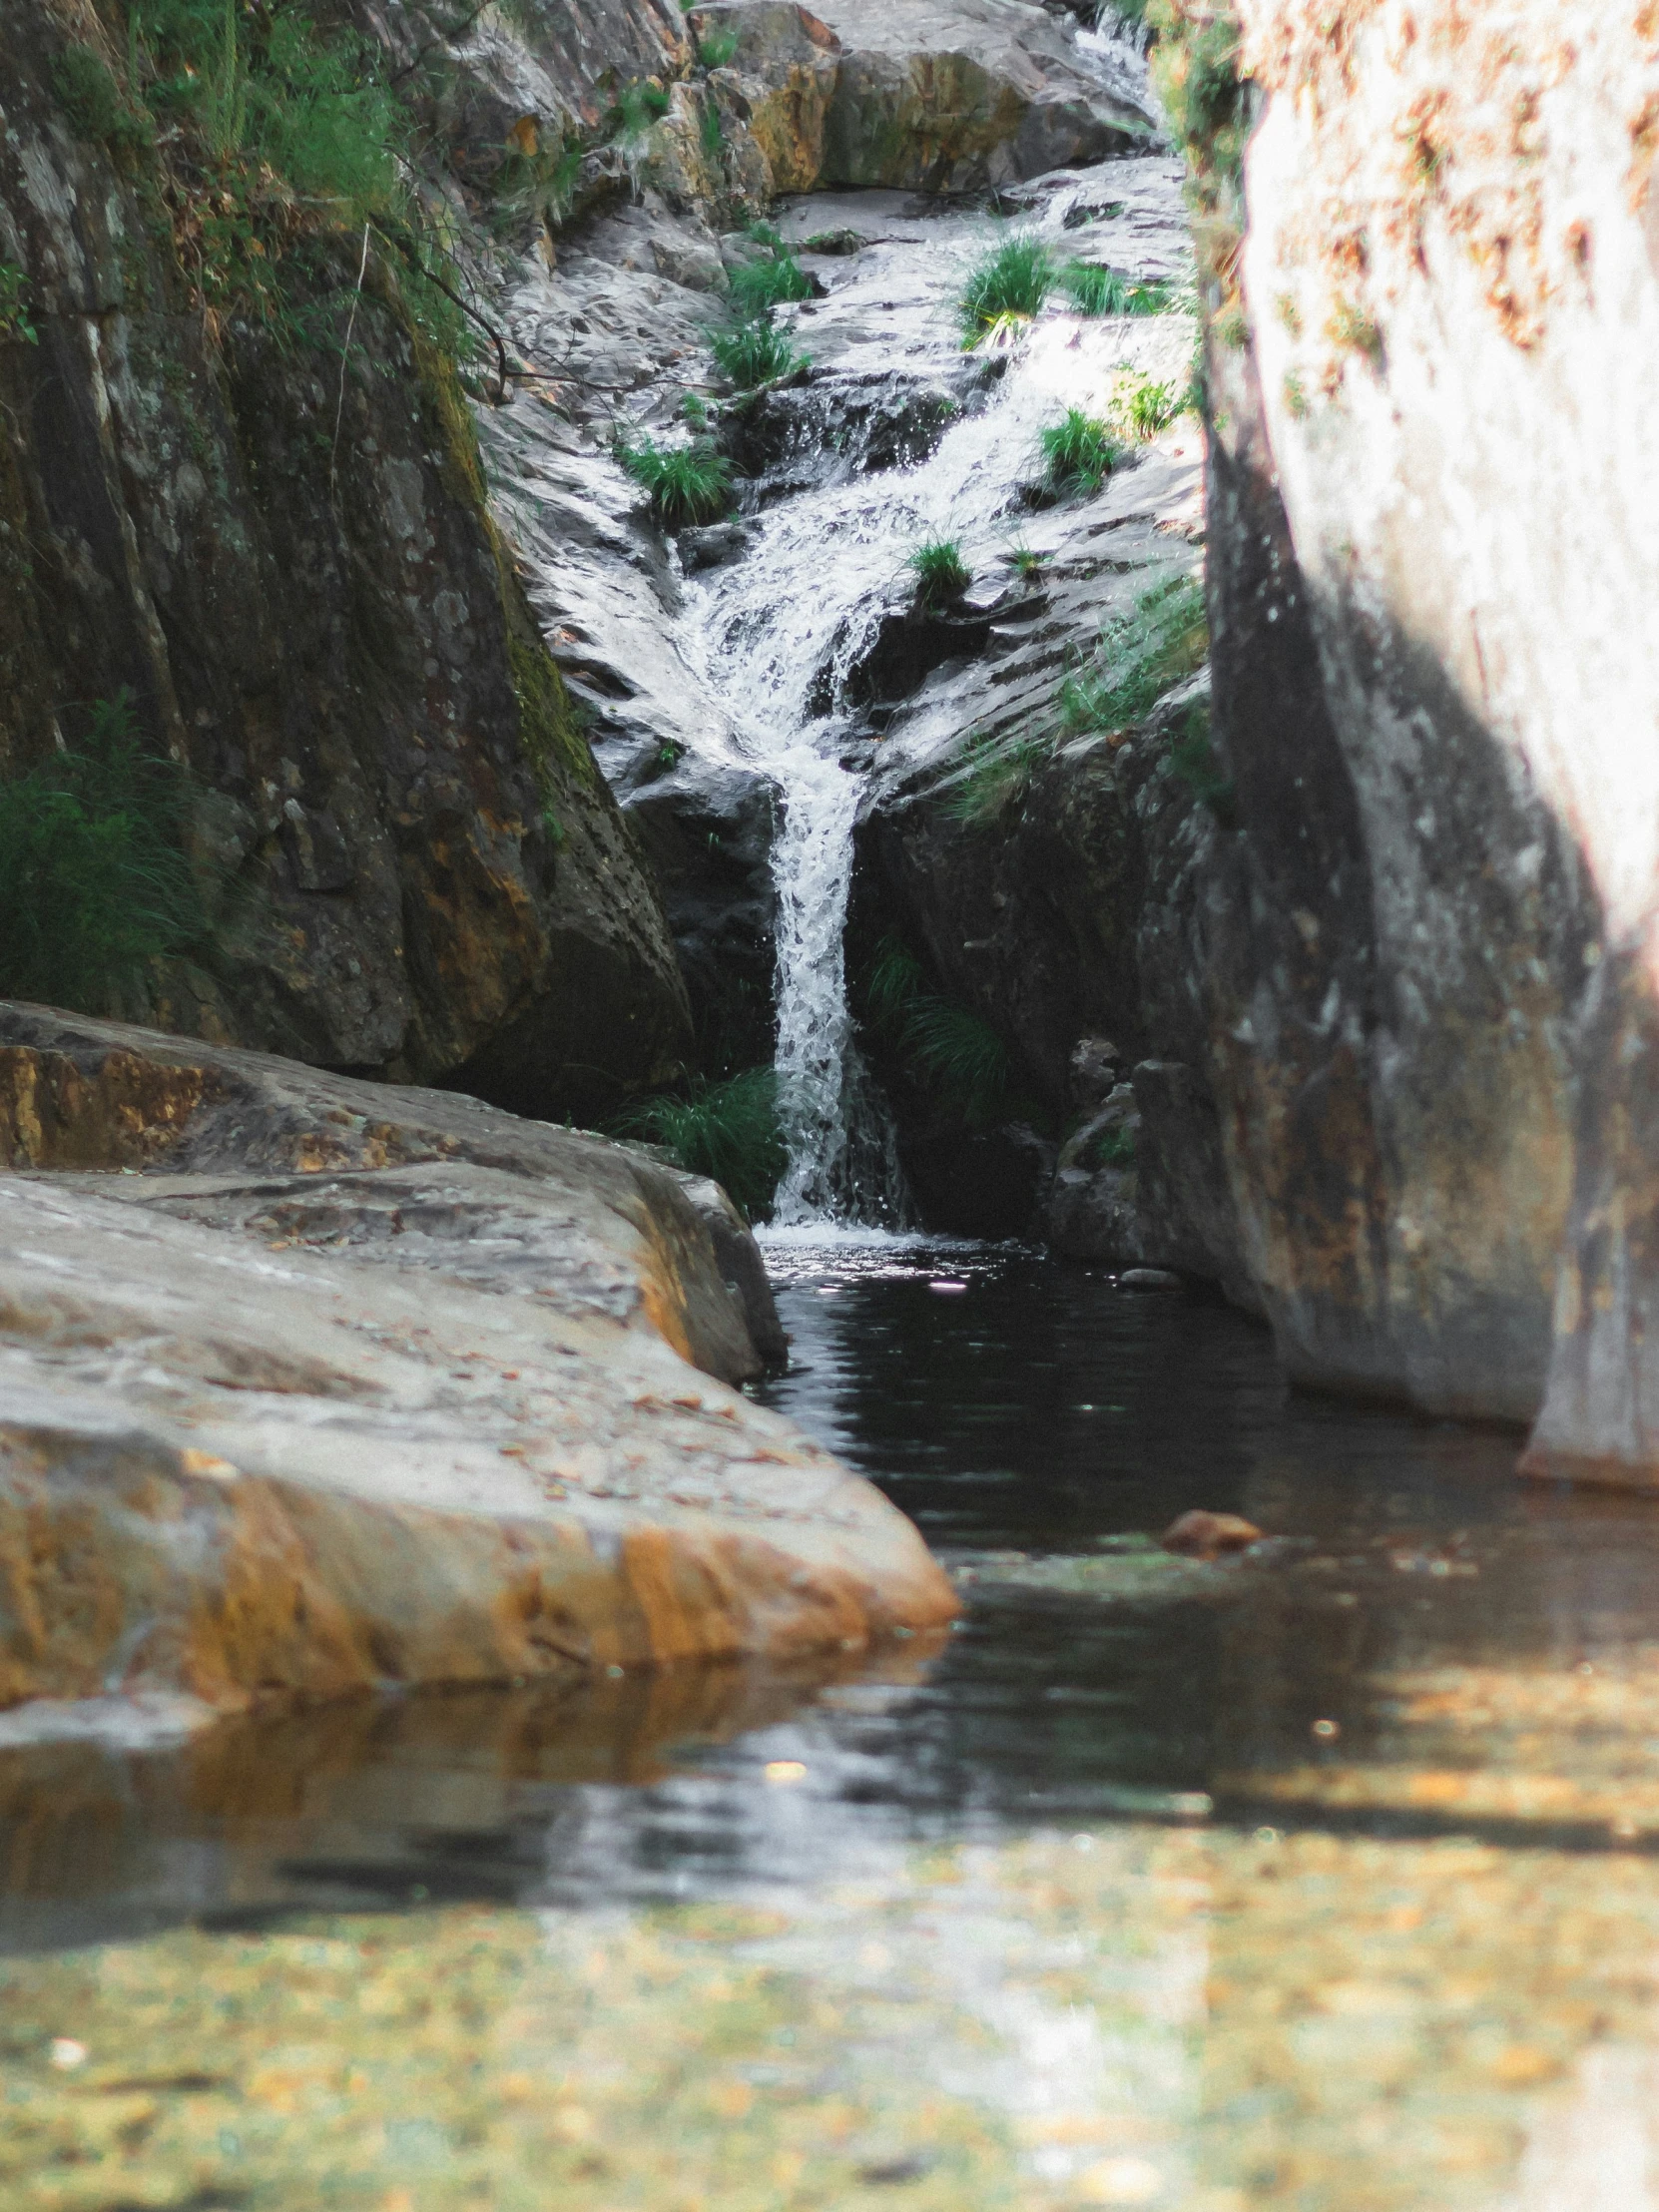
(308,1385)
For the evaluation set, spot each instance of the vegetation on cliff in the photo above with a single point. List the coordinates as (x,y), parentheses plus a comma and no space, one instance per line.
(728,1130)
(945,1048)
(94,881)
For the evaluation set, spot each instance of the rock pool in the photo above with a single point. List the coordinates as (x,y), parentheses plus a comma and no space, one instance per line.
(1323,1878)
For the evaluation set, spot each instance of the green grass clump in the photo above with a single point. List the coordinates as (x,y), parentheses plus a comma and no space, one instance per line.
(1006,289)
(728,1130)
(1097,292)
(94,879)
(947,1047)
(15,320)
(753,353)
(941,572)
(715,51)
(1079,451)
(711,133)
(994,772)
(1146,407)
(638,109)
(771,277)
(686,483)
(1140,658)
(1027,562)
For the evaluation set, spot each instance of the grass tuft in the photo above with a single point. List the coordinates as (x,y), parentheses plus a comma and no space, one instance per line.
(728,1130)
(94,879)
(769,278)
(1006,289)
(1146,407)
(948,1048)
(1079,451)
(1139,658)
(993,773)
(639,109)
(1027,562)
(941,572)
(1099,291)
(715,51)
(686,483)
(754,353)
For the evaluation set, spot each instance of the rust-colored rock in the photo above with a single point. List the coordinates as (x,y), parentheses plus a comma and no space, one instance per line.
(311,1386)
(1200,1535)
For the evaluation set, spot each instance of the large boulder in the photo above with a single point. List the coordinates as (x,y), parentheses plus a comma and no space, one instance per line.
(929,95)
(1433,535)
(307,1387)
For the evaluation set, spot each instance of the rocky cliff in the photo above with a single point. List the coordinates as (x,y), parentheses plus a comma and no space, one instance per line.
(240,488)
(1434,285)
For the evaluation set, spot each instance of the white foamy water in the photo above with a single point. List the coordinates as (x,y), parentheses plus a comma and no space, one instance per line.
(778,635)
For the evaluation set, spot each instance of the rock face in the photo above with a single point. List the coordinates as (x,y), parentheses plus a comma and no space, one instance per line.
(1433,534)
(309,1386)
(927,95)
(287,558)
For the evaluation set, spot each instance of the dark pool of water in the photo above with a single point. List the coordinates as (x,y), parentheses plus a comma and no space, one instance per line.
(1011,1403)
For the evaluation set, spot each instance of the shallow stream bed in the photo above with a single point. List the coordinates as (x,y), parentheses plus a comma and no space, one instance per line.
(1326,1877)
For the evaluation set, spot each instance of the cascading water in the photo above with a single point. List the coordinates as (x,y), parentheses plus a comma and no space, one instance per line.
(780,635)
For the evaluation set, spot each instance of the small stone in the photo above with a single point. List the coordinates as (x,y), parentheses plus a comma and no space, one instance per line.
(1148,1278)
(1200,1535)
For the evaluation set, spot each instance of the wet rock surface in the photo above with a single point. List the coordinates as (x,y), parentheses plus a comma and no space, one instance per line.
(311,1385)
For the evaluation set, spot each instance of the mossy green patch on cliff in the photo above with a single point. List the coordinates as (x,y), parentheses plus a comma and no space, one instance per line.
(94,879)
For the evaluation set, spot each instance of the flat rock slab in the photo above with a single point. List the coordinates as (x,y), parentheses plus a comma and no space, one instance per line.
(315,1426)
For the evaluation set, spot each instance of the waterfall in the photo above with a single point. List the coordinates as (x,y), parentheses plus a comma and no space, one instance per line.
(778,636)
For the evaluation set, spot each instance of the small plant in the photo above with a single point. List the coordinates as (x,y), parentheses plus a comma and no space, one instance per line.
(14,306)
(711,133)
(1006,289)
(686,483)
(1079,452)
(1146,407)
(1097,292)
(94,881)
(670,753)
(715,51)
(754,353)
(1026,563)
(947,1047)
(941,572)
(1113,1148)
(639,107)
(94,102)
(993,773)
(1193,758)
(1296,395)
(769,278)
(1353,330)
(728,1130)
(1140,657)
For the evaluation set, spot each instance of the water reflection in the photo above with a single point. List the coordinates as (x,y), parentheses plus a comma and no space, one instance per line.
(1326,1880)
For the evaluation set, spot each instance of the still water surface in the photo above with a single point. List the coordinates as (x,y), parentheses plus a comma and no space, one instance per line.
(1327,1879)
